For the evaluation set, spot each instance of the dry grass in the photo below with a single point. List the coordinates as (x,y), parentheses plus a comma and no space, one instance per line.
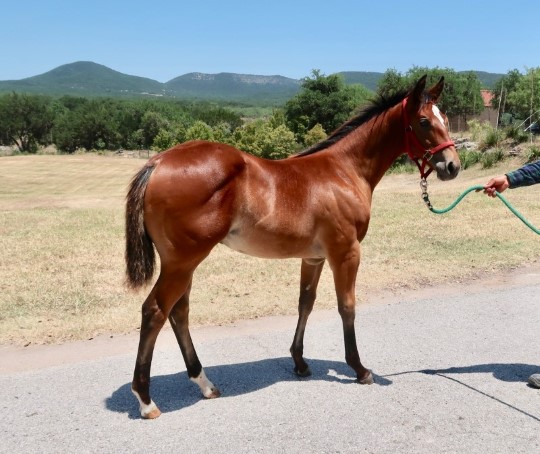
(61,237)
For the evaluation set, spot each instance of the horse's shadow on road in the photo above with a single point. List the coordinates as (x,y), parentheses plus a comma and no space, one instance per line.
(175,391)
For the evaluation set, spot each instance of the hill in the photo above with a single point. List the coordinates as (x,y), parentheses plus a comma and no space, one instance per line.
(86,79)
(488,80)
(91,79)
(367,79)
(237,87)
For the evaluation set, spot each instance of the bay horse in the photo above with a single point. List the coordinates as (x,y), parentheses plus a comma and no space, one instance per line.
(314,205)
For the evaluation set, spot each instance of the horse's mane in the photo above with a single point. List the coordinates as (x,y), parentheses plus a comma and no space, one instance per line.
(375,108)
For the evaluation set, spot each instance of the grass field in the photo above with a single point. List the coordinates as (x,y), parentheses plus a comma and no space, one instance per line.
(61,237)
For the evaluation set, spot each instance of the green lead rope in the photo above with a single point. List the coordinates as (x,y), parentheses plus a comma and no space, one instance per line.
(425,197)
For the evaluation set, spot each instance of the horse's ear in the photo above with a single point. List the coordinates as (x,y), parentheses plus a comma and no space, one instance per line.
(417,93)
(435,91)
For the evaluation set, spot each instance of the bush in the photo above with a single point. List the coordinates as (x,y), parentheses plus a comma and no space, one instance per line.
(402,165)
(469,157)
(484,133)
(489,159)
(532,153)
(261,139)
(492,138)
(516,134)
(314,135)
(199,131)
(476,130)
(163,140)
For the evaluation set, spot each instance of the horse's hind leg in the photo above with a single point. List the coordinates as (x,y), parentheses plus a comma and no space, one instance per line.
(170,286)
(179,318)
(309,279)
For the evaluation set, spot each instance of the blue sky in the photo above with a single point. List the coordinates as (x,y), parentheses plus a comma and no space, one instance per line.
(164,39)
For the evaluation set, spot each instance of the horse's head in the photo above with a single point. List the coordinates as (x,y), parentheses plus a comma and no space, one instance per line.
(427,137)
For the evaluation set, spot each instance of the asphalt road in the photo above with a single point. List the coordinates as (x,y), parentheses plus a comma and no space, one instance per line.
(450,368)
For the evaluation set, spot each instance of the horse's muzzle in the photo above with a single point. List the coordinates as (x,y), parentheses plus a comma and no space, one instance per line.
(448,170)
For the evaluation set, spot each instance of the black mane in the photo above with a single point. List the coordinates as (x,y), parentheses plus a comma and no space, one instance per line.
(377,107)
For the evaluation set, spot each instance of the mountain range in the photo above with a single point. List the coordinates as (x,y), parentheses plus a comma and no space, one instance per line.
(91,79)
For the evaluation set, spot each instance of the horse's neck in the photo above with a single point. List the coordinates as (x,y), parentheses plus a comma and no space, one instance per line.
(374,146)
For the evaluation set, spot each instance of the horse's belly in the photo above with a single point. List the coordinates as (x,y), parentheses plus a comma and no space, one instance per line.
(268,245)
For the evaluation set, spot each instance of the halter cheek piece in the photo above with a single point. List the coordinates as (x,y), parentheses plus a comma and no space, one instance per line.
(412,139)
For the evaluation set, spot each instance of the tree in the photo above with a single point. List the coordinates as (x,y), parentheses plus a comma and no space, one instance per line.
(323,99)
(199,130)
(505,85)
(163,140)
(98,128)
(278,143)
(25,121)
(391,83)
(151,123)
(461,98)
(261,139)
(524,99)
(314,135)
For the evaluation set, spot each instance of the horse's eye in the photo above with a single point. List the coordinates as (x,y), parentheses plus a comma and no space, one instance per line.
(425,123)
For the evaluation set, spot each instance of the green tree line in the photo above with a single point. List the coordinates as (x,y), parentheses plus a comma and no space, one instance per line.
(72,123)
(323,103)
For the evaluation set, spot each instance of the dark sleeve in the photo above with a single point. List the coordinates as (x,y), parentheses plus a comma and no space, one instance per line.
(525,176)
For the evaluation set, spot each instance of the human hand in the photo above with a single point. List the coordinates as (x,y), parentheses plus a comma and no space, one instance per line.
(497,184)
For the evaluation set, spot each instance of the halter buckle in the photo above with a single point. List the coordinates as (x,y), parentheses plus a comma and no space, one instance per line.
(428,156)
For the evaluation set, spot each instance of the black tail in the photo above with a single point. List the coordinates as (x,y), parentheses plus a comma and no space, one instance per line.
(140,256)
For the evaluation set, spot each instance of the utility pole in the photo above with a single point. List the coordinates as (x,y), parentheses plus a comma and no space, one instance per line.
(532,112)
(499,109)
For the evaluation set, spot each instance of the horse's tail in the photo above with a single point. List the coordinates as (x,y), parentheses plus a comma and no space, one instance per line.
(140,256)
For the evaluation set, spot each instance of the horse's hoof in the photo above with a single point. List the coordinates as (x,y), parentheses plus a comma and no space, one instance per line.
(148,411)
(305,373)
(213,394)
(368,380)
(153,414)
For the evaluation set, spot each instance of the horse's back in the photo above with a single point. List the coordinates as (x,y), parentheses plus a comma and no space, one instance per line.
(198,163)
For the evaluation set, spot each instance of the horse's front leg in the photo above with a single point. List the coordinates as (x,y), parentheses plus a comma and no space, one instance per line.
(345,268)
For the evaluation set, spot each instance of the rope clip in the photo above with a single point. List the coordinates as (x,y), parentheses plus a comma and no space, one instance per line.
(425,195)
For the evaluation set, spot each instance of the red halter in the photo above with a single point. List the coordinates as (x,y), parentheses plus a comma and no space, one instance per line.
(427,155)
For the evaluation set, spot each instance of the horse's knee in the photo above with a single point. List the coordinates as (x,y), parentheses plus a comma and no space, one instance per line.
(152,316)
(307,294)
(347,312)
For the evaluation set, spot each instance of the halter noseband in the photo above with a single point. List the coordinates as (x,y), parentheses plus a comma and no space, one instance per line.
(427,154)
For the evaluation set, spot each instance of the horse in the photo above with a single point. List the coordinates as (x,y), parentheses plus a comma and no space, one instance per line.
(313,205)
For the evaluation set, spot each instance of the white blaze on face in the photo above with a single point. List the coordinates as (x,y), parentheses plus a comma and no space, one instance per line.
(437,113)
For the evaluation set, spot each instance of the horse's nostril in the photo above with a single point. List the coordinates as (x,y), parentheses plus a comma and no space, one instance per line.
(451,167)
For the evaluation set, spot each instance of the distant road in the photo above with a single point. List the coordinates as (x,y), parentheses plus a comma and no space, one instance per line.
(451,366)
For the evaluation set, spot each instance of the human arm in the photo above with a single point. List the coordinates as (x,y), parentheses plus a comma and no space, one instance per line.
(524,176)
